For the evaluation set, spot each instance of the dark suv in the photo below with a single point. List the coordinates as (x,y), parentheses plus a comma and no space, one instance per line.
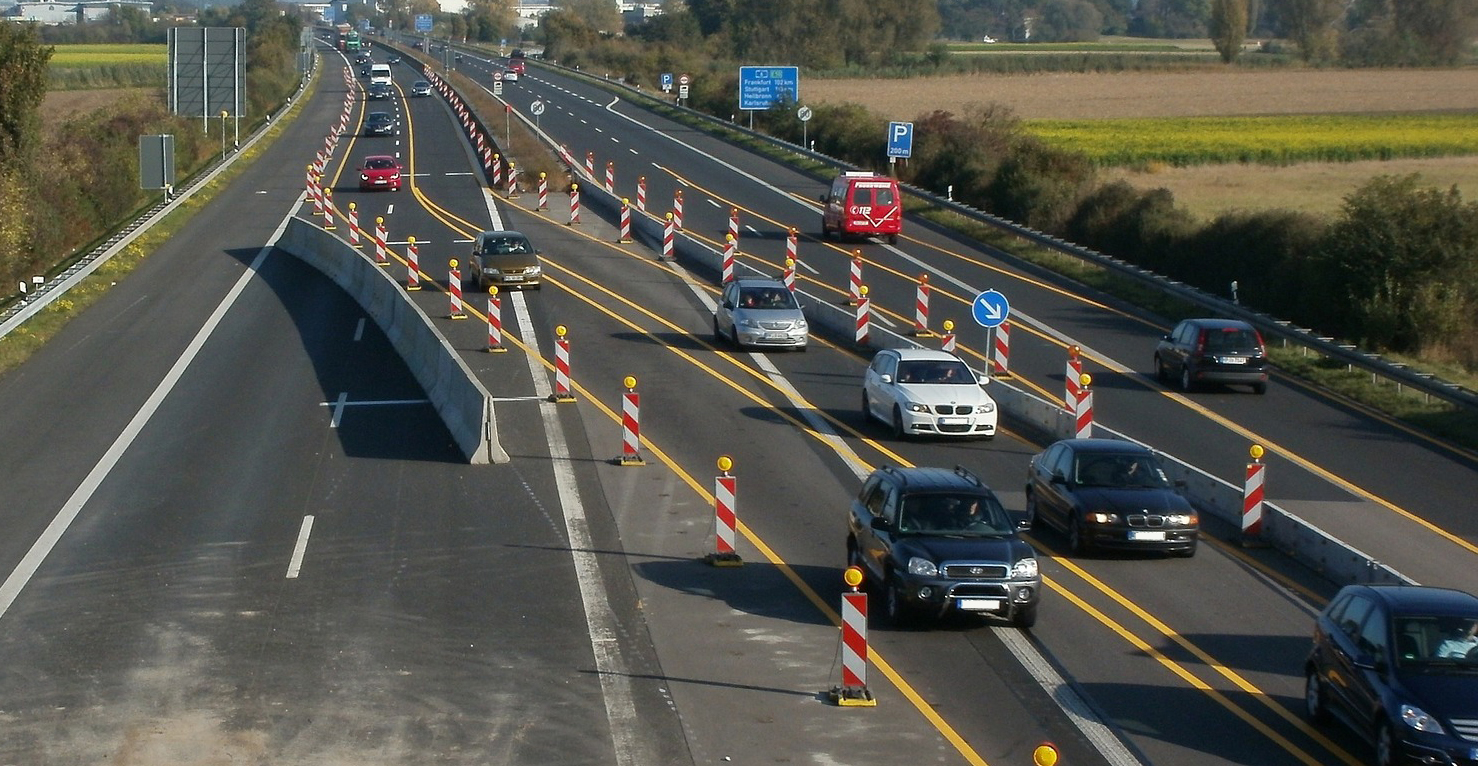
(932,540)
(1201,351)
(1399,665)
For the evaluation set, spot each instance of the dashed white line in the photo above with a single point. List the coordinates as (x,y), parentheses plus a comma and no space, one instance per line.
(300,548)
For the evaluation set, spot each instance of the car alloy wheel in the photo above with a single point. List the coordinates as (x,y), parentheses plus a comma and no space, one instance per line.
(1314,698)
(1031,508)
(1385,745)
(1160,372)
(1186,384)
(894,604)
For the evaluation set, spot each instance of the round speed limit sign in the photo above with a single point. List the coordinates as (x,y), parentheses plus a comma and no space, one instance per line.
(804,113)
(537,108)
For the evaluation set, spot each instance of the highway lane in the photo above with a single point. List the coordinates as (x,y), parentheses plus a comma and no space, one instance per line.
(433,607)
(1336,444)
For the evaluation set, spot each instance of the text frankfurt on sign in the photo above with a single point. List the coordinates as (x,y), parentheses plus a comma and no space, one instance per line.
(761,87)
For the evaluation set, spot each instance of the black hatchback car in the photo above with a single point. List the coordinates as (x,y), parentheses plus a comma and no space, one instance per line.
(1107,493)
(1399,665)
(1200,351)
(379,124)
(931,541)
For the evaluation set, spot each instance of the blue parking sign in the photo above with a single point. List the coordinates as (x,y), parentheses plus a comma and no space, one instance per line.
(900,139)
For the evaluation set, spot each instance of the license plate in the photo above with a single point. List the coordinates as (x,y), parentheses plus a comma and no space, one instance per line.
(774,336)
(1234,360)
(513,277)
(381,181)
(980,604)
(953,421)
(1136,535)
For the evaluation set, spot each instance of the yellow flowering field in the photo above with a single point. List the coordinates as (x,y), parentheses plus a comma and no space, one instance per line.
(76,56)
(1275,140)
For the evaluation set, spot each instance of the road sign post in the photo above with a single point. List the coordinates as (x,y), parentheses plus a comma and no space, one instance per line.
(804,114)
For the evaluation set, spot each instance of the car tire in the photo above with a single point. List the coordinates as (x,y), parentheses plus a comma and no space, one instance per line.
(1161,374)
(892,239)
(1031,508)
(854,559)
(1315,701)
(895,607)
(898,432)
(1259,388)
(866,407)
(1186,384)
(1025,617)
(1077,542)
(718,336)
(1385,745)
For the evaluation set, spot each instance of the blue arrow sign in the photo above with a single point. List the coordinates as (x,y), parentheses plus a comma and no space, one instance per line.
(990,308)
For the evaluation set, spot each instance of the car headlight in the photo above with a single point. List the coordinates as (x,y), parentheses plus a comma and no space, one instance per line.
(534,270)
(1025,569)
(363,177)
(922,567)
(492,271)
(983,409)
(1416,718)
(916,407)
(801,325)
(750,323)
(1182,519)
(1101,518)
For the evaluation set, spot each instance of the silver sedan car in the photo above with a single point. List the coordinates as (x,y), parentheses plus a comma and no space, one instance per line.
(923,392)
(761,313)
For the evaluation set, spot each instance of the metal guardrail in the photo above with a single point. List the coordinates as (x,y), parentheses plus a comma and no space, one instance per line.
(22,306)
(1426,383)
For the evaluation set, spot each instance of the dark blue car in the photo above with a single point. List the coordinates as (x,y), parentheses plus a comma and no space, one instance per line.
(1399,665)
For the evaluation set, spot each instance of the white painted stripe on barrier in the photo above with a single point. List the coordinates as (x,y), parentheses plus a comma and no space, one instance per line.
(301,548)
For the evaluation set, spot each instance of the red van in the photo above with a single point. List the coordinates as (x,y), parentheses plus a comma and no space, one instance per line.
(862,205)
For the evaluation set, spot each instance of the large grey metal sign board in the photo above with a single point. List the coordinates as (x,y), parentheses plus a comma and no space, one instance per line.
(207,71)
(156,162)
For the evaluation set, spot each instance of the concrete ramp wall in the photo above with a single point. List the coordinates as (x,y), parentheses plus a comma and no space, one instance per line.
(459,398)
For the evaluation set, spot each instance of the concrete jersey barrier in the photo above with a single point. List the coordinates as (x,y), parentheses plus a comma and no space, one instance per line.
(464,405)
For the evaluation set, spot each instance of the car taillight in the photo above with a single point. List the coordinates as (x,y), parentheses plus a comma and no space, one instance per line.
(1201,342)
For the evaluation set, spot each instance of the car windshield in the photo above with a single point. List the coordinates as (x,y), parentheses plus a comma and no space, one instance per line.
(1445,641)
(379,117)
(506,246)
(1100,470)
(767,298)
(954,515)
(943,372)
(421,84)
(379,163)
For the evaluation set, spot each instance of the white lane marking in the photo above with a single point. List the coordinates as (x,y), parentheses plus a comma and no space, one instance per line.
(615,140)
(342,402)
(615,678)
(391,209)
(44,544)
(338,409)
(713,202)
(807,267)
(752,230)
(294,566)
(533,398)
(490,201)
(359,330)
(633,151)
(468,173)
(598,130)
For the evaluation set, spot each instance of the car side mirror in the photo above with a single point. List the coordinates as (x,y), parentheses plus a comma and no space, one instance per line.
(1165,337)
(881,524)
(886,378)
(824,198)
(1058,478)
(729,305)
(1367,661)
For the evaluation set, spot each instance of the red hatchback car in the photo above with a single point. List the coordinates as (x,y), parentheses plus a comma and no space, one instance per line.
(380,171)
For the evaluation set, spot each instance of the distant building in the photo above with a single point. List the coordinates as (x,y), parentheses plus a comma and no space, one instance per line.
(69,13)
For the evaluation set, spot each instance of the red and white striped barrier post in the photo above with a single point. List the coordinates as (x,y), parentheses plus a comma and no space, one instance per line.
(512,181)
(729,247)
(853,691)
(1003,350)
(864,316)
(630,424)
(412,265)
(788,276)
(725,517)
(353,225)
(854,282)
(454,290)
(610,177)
(921,308)
(381,258)
(790,244)
(1252,497)
(543,191)
(574,204)
(947,340)
(328,209)
(734,222)
(316,189)
(561,366)
(641,194)
(495,321)
(487,154)
(590,165)
(309,187)
(1084,414)
(1074,372)
(497,170)
(668,229)
(677,208)
(625,237)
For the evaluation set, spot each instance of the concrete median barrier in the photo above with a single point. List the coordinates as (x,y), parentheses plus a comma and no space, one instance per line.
(464,405)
